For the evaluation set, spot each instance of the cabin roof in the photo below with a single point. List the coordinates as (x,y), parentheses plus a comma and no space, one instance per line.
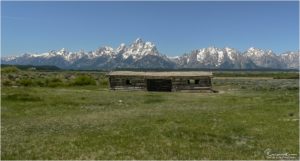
(161,74)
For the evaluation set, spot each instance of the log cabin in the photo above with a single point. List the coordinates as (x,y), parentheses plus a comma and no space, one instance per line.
(161,81)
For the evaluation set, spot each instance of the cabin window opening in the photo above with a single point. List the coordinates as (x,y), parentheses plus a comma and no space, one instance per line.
(191,81)
(197,81)
(128,82)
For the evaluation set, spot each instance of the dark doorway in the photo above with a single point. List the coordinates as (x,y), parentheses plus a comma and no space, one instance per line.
(159,85)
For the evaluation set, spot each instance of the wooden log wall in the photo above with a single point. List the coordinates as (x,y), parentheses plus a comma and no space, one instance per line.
(140,82)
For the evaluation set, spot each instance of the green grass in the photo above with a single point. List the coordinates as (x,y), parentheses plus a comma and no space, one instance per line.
(95,123)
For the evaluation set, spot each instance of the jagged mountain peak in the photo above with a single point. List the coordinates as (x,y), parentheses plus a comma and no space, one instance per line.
(103,51)
(258,52)
(106,48)
(255,52)
(63,50)
(230,49)
(139,49)
(122,48)
(122,45)
(254,49)
(138,41)
(212,49)
(141,43)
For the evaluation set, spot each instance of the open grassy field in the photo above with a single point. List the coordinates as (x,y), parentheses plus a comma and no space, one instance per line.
(69,121)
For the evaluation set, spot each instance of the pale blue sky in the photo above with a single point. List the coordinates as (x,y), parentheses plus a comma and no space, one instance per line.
(175,27)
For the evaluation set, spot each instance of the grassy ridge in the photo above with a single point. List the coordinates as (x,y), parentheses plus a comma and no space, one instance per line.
(32,67)
(271,74)
(89,122)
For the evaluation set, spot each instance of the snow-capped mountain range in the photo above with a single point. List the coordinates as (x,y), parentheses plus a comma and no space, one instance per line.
(142,54)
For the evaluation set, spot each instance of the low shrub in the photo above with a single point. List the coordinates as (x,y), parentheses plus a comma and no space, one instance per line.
(25,82)
(103,82)
(11,76)
(83,80)
(54,82)
(40,83)
(6,83)
(11,69)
